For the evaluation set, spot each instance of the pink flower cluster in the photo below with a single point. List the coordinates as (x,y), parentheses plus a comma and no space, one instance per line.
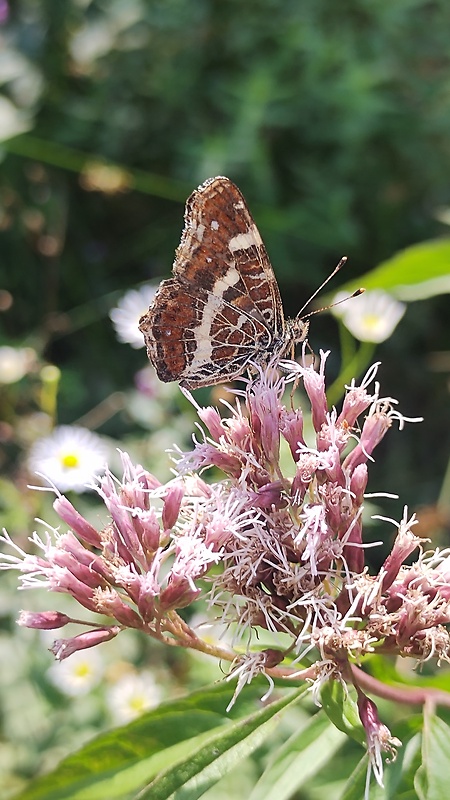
(277,544)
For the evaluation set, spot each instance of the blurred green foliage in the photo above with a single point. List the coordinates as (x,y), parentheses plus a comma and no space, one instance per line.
(334,120)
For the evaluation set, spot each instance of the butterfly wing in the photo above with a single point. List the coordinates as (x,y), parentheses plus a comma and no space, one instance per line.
(195,337)
(221,249)
(222,307)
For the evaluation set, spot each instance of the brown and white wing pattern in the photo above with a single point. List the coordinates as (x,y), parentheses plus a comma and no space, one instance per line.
(222,307)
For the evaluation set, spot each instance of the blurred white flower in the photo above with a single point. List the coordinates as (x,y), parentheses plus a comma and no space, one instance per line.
(15,362)
(12,120)
(92,41)
(215,633)
(211,632)
(371,317)
(78,674)
(70,457)
(132,695)
(126,315)
(100,36)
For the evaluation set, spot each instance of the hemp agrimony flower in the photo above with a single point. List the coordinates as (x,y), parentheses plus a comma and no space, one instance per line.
(277,543)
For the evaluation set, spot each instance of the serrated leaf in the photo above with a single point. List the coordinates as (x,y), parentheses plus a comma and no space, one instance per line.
(298,759)
(342,710)
(193,775)
(415,273)
(123,760)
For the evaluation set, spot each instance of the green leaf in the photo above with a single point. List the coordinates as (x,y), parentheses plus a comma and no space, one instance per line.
(124,759)
(354,787)
(342,710)
(398,775)
(432,778)
(298,759)
(420,271)
(194,774)
(386,671)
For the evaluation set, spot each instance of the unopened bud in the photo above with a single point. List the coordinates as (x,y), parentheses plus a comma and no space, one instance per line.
(172,505)
(43,620)
(63,648)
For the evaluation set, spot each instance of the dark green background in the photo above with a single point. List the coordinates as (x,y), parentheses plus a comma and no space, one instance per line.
(334,120)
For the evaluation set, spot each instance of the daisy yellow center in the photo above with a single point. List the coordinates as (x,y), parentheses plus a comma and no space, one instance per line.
(137,703)
(371,321)
(82,670)
(70,460)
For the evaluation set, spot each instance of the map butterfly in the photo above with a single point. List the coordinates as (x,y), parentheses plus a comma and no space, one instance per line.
(222,308)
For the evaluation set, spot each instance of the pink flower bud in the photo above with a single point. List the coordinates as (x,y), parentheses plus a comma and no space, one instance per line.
(355,402)
(212,419)
(379,737)
(63,648)
(179,593)
(314,383)
(148,597)
(268,495)
(224,461)
(358,483)
(338,507)
(82,563)
(110,604)
(368,714)
(353,552)
(44,620)
(147,480)
(240,433)
(151,531)
(405,543)
(83,573)
(120,509)
(61,580)
(306,469)
(332,468)
(77,522)
(172,505)
(265,409)
(291,427)
(374,428)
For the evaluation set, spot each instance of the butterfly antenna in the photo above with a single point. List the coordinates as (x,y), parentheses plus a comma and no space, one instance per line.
(356,293)
(330,276)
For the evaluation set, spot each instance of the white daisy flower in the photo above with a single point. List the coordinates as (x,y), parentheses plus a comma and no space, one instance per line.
(15,362)
(126,315)
(132,695)
(70,457)
(78,674)
(371,317)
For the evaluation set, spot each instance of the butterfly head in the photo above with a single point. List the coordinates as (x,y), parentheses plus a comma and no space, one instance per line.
(296,330)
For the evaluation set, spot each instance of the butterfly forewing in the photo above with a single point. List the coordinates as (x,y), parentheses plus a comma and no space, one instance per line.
(222,307)
(221,248)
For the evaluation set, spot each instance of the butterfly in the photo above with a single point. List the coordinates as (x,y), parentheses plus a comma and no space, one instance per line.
(221,311)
